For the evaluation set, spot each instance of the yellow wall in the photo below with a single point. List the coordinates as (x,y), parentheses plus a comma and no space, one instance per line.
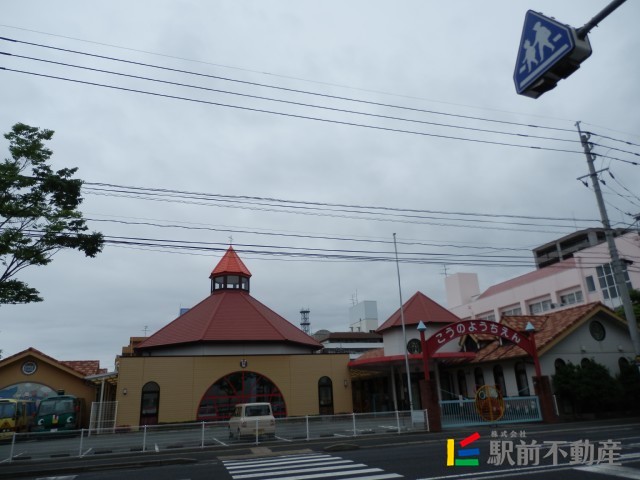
(184,380)
(51,375)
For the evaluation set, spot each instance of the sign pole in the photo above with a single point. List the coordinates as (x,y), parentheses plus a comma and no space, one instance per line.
(604,13)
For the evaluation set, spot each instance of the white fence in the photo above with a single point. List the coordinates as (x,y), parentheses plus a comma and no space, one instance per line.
(171,437)
(459,413)
(103,417)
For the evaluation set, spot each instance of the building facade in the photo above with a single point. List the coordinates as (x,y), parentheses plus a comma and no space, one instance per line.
(575,270)
(228,349)
(33,375)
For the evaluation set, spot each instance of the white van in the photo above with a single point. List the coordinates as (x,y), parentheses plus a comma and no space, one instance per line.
(251,419)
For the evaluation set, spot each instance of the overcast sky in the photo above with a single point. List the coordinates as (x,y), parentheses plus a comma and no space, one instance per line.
(287,177)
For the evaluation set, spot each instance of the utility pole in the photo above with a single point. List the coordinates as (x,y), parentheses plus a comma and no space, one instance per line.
(404,331)
(616,264)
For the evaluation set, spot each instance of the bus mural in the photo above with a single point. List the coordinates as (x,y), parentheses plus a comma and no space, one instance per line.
(63,412)
(15,416)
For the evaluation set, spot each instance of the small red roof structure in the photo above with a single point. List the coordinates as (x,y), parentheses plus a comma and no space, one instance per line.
(231,264)
(419,307)
(229,315)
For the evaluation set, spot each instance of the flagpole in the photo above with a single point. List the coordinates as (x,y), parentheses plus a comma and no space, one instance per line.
(404,332)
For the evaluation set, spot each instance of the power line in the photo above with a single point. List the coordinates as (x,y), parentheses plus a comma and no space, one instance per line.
(300,104)
(306,117)
(291,115)
(339,205)
(292,90)
(277,251)
(326,212)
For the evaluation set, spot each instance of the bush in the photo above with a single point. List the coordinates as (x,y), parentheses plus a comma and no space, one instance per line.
(589,388)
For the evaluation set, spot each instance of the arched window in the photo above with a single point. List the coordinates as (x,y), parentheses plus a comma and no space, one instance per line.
(149,403)
(479,376)
(27,391)
(521,379)
(325,396)
(244,386)
(559,364)
(498,378)
(462,383)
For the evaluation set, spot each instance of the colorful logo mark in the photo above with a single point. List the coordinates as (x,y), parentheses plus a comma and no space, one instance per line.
(465,453)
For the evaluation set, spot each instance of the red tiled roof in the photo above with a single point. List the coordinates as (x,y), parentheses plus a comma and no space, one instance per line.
(529,277)
(374,353)
(549,330)
(86,367)
(79,367)
(417,308)
(231,263)
(229,316)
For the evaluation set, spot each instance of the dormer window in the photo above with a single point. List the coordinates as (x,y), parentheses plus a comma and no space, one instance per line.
(229,282)
(230,273)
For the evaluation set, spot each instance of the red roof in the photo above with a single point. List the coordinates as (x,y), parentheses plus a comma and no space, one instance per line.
(82,368)
(229,316)
(550,329)
(417,308)
(87,367)
(231,263)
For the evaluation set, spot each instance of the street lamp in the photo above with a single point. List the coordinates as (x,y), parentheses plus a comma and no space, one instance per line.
(531,330)
(423,346)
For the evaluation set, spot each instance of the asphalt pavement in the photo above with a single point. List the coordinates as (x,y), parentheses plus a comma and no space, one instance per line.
(74,465)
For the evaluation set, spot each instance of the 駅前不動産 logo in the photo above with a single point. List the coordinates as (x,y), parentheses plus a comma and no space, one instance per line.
(513,448)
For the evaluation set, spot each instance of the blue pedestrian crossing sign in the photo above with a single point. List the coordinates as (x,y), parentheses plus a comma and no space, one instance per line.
(549,51)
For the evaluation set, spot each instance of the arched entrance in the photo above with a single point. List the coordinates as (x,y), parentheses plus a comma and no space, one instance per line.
(325,396)
(149,404)
(524,340)
(239,387)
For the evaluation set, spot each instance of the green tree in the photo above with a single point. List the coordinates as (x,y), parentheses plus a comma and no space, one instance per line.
(634,294)
(38,212)
(589,388)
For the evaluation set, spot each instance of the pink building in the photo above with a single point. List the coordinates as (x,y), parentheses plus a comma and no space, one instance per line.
(573,270)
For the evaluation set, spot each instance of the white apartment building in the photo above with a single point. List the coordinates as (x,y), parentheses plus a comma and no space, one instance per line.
(572,270)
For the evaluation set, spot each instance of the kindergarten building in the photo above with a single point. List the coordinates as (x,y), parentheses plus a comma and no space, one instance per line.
(228,349)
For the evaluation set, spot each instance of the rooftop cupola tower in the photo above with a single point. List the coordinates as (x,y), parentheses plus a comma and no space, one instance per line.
(230,273)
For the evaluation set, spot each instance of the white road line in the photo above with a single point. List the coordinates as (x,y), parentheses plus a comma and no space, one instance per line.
(323,463)
(304,467)
(281,471)
(67,477)
(219,441)
(330,474)
(613,470)
(288,460)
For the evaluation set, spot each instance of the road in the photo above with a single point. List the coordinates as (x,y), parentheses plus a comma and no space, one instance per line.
(544,452)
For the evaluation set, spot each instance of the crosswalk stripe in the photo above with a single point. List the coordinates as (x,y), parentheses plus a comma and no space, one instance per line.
(338,464)
(262,473)
(310,470)
(66,477)
(303,467)
(274,461)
